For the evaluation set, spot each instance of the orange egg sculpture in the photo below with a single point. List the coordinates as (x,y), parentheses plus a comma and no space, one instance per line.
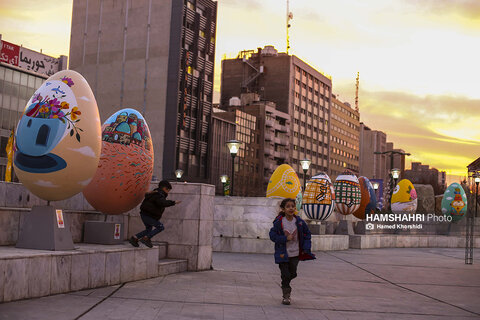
(126,164)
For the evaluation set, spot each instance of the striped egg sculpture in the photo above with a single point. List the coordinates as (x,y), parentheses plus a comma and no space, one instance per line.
(368,201)
(454,202)
(319,197)
(347,193)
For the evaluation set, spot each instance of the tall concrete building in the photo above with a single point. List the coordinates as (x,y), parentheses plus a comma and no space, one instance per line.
(156,57)
(296,88)
(344,138)
(423,174)
(22,72)
(398,159)
(372,166)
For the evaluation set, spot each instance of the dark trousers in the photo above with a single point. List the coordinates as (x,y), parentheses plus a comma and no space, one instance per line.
(288,271)
(149,223)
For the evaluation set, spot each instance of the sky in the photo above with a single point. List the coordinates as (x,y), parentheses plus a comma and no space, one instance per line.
(419,61)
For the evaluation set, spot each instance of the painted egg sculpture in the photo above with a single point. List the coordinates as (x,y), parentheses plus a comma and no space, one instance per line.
(347,193)
(58,138)
(368,201)
(404,197)
(126,164)
(454,202)
(319,197)
(283,183)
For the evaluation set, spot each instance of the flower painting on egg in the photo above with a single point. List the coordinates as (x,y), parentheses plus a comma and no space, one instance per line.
(51,115)
(58,138)
(126,164)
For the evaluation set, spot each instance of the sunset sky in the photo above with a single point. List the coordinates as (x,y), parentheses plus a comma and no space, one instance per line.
(419,61)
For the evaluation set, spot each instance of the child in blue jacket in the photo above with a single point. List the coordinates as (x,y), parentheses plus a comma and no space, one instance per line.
(292,244)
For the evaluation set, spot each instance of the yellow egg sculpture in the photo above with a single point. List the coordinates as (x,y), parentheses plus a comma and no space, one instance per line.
(283,183)
(58,139)
(404,197)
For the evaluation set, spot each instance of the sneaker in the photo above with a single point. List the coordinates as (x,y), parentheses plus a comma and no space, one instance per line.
(134,242)
(147,242)
(286,301)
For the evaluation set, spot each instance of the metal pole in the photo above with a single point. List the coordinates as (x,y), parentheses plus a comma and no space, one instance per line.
(469,231)
(304,179)
(233,174)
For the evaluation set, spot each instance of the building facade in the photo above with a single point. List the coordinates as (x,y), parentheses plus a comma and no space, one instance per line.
(423,174)
(156,57)
(296,88)
(344,138)
(22,72)
(373,166)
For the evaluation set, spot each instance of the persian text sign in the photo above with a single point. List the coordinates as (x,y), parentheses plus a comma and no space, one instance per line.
(9,53)
(28,59)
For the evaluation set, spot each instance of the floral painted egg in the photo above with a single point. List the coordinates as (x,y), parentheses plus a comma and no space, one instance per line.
(319,197)
(347,193)
(454,202)
(283,183)
(368,201)
(404,197)
(126,164)
(58,139)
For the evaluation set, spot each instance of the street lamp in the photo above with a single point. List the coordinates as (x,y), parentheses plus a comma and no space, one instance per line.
(470,225)
(178,174)
(233,147)
(395,174)
(223,179)
(305,165)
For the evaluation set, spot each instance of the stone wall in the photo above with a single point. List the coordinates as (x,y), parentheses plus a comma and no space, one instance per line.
(188,226)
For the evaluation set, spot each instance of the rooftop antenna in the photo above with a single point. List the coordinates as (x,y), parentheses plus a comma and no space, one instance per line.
(356,91)
(289,17)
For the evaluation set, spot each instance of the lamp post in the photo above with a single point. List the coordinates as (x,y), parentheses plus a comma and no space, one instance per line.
(391,185)
(471,224)
(305,165)
(233,146)
(223,179)
(178,174)
(375,187)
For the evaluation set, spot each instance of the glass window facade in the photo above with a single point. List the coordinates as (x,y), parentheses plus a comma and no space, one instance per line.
(16,88)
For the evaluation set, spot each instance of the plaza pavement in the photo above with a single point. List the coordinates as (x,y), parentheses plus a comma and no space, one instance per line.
(399,283)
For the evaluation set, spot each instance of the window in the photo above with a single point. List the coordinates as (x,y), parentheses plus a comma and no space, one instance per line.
(190,6)
(202,33)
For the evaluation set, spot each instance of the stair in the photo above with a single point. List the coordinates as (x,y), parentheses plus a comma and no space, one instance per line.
(168,266)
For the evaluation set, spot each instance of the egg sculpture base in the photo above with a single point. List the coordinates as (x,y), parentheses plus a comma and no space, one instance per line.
(103,232)
(45,228)
(316,227)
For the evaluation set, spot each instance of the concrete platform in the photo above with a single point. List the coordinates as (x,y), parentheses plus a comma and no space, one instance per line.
(26,273)
(376,284)
(326,242)
(408,241)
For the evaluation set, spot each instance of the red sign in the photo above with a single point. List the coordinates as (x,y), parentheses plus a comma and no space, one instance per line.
(9,53)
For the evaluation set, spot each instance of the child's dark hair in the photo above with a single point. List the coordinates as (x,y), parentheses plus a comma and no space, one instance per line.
(164,183)
(283,204)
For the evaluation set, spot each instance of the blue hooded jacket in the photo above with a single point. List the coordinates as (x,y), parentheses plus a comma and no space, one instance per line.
(304,239)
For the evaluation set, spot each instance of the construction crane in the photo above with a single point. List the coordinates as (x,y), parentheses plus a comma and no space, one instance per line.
(289,17)
(356,91)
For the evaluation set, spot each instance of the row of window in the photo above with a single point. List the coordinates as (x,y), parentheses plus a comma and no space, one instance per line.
(344,153)
(345,133)
(311,78)
(345,122)
(344,165)
(346,111)
(310,101)
(344,143)
(310,114)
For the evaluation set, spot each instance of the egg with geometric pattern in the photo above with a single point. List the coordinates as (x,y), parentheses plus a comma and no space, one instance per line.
(126,164)
(347,193)
(319,197)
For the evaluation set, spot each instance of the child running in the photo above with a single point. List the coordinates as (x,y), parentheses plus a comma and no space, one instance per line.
(292,244)
(151,211)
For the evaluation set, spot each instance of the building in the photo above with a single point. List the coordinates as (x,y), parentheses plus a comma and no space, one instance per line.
(220,162)
(156,57)
(247,180)
(398,159)
(344,138)
(373,166)
(423,174)
(22,72)
(296,88)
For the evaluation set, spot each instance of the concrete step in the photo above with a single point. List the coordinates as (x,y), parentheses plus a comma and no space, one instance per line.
(169,266)
(162,249)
